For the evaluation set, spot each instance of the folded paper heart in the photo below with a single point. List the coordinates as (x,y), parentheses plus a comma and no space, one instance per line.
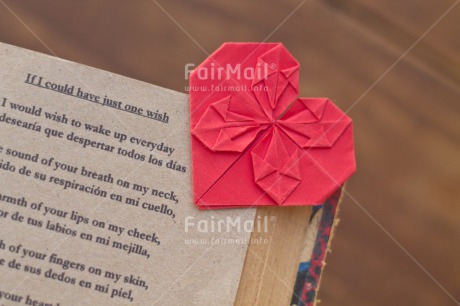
(254,142)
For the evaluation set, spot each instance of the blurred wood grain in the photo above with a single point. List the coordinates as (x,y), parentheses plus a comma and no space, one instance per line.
(405,107)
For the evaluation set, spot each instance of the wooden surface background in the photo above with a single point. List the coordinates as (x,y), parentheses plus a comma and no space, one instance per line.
(393,65)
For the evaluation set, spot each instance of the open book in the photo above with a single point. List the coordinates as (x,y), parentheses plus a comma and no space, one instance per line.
(96,201)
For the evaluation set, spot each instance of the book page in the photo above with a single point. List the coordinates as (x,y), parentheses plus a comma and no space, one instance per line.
(95,193)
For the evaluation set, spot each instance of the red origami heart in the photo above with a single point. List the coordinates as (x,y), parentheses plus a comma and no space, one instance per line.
(254,142)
